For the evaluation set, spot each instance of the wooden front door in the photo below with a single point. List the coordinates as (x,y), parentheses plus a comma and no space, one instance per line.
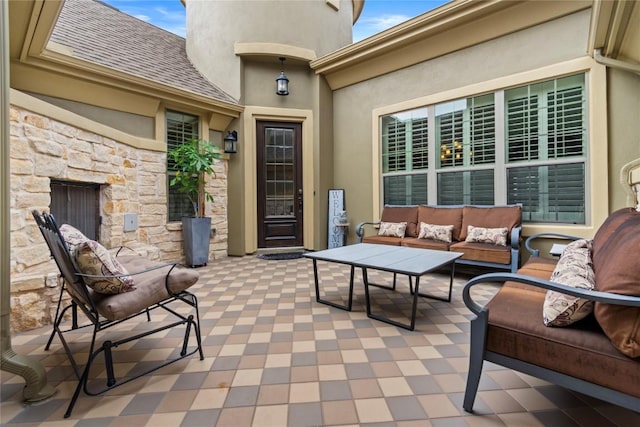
(280,198)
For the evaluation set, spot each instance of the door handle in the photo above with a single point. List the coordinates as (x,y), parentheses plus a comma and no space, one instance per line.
(300,199)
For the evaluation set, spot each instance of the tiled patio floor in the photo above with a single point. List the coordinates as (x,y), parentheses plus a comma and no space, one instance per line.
(275,357)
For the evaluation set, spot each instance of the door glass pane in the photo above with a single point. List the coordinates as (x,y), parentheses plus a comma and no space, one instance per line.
(279,172)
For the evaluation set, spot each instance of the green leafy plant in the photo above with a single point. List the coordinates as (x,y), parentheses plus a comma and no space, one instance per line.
(192,161)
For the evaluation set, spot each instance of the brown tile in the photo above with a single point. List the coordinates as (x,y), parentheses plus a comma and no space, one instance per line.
(273,394)
(234,417)
(339,413)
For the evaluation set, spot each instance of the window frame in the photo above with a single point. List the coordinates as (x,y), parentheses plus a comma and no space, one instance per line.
(596,165)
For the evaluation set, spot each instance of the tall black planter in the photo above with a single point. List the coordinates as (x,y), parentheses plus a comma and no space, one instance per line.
(196,232)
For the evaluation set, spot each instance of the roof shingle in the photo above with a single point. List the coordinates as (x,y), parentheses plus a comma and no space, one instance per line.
(103,35)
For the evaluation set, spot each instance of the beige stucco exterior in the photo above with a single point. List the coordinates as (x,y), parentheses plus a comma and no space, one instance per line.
(338,92)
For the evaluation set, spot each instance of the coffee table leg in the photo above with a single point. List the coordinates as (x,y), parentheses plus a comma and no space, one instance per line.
(410,326)
(333,304)
(448,298)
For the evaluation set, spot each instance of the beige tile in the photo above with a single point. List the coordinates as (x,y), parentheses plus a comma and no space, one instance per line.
(331,372)
(412,368)
(210,398)
(269,416)
(522,419)
(278,361)
(245,377)
(354,356)
(304,392)
(397,386)
(531,399)
(373,411)
(438,406)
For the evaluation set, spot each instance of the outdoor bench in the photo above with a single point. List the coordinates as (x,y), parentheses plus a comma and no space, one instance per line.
(487,236)
(592,343)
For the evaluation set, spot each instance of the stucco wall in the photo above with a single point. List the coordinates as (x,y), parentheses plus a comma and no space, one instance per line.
(549,43)
(213,28)
(624,129)
(131,181)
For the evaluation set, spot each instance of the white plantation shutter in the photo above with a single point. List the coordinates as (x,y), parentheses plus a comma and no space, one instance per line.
(466,187)
(180,128)
(419,144)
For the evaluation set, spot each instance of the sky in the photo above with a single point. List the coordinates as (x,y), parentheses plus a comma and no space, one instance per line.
(377,15)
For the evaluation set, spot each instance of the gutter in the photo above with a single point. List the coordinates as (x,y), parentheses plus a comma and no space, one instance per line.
(615,63)
(36,387)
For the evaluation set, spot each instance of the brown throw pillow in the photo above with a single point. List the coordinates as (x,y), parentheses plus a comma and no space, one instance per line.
(618,271)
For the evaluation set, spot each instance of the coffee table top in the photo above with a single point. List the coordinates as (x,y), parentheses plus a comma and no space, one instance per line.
(396,259)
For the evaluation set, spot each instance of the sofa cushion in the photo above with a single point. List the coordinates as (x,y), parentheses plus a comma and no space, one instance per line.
(382,240)
(608,227)
(574,269)
(538,267)
(618,271)
(392,229)
(150,288)
(442,216)
(94,259)
(484,252)
(583,351)
(435,232)
(414,242)
(491,217)
(494,236)
(408,214)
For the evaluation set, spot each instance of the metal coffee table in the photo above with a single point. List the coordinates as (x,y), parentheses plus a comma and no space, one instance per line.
(412,262)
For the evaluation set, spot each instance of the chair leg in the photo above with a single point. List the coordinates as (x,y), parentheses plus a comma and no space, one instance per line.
(476,359)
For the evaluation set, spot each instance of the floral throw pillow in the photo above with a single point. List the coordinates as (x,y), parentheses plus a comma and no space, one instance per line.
(392,229)
(574,269)
(435,232)
(93,258)
(72,236)
(495,236)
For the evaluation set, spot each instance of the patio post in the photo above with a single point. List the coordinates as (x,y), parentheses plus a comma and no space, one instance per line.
(36,387)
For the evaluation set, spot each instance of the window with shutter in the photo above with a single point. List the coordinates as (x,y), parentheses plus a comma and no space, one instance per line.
(540,162)
(180,128)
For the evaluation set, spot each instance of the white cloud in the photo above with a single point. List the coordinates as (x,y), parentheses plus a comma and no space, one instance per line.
(382,22)
(145,18)
(369,26)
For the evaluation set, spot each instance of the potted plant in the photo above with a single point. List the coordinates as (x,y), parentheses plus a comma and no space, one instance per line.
(192,161)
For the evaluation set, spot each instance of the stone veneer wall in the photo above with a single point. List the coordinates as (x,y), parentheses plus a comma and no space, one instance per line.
(131,181)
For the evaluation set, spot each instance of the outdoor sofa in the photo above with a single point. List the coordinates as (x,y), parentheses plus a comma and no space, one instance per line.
(592,341)
(487,236)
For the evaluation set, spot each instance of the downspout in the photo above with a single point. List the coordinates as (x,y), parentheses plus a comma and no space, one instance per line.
(36,387)
(615,63)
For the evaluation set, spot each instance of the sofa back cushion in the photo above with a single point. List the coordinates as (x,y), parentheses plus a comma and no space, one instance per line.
(442,216)
(491,217)
(408,214)
(617,270)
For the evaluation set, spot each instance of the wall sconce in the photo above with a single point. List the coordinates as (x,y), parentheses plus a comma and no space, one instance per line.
(231,142)
(282,82)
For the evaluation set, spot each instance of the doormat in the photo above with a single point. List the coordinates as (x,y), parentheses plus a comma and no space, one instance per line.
(280,256)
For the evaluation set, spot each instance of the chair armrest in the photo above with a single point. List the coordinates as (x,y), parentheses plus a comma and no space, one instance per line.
(536,252)
(360,229)
(515,237)
(499,279)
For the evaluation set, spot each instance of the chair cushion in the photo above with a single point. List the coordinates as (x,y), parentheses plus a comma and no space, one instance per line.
(392,229)
(442,216)
(408,214)
(435,232)
(494,236)
(617,270)
(538,267)
(491,217)
(574,269)
(150,288)
(94,259)
(582,350)
(72,236)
